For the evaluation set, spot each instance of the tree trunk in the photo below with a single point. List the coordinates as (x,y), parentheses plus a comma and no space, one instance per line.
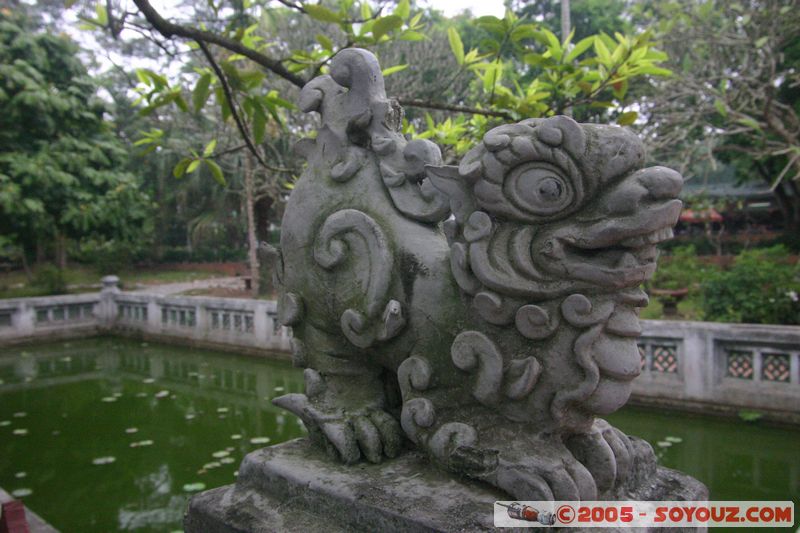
(61,251)
(252,241)
(41,252)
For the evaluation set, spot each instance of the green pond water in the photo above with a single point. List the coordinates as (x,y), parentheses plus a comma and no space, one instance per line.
(107,434)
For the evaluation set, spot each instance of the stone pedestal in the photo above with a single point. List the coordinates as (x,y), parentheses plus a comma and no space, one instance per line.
(295,487)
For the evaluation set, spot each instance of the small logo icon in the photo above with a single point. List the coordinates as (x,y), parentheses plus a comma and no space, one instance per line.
(529,514)
(565,514)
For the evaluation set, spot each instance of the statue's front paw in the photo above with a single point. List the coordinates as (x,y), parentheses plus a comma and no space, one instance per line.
(347,434)
(606,452)
(544,476)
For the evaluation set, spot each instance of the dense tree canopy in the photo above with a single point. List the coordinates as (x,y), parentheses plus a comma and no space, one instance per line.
(60,165)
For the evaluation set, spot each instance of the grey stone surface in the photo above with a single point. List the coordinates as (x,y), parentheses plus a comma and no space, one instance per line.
(487,312)
(294,487)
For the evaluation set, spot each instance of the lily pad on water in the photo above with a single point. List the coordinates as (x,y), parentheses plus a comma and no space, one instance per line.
(109,399)
(20,475)
(226,460)
(148,380)
(194,487)
(141,395)
(674,440)
(141,443)
(162,394)
(20,414)
(259,440)
(278,389)
(236,436)
(21,493)
(212,464)
(104,460)
(663,444)
(189,416)
(131,430)
(220,454)
(222,409)
(4,423)
(20,432)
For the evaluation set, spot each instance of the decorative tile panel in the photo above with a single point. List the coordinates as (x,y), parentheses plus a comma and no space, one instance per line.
(739,364)
(665,358)
(775,367)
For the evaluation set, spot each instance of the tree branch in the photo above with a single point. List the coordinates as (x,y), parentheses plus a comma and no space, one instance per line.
(232,103)
(411,102)
(169,29)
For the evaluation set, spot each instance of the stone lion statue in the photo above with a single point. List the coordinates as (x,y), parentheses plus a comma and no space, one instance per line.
(487,313)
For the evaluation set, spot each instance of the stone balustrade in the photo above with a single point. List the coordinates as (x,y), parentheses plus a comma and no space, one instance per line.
(227,323)
(708,366)
(703,366)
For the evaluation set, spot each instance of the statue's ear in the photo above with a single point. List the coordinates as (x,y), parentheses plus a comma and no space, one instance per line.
(447,181)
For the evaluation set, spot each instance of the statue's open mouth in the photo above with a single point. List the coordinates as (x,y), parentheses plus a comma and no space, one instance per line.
(615,253)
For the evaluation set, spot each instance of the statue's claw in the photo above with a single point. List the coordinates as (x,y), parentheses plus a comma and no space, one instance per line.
(606,452)
(545,477)
(348,435)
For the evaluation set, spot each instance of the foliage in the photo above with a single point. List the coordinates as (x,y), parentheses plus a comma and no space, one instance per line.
(761,287)
(735,96)
(518,68)
(521,69)
(51,279)
(682,269)
(59,163)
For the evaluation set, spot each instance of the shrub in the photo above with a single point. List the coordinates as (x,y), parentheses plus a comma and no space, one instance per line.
(51,279)
(681,269)
(761,287)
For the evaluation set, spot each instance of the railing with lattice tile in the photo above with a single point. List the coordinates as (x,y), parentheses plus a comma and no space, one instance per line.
(733,366)
(758,363)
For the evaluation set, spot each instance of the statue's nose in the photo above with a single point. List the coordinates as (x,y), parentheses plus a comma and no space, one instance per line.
(662,183)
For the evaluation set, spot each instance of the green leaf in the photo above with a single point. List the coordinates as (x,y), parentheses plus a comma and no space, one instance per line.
(761,42)
(216,171)
(201,92)
(411,35)
(385,25)
(392,70)
(326,43)
(456,45)
(366,11)
(403,9)
(180,102)
(193,166)
(721,109)
(180,168)
(209,149)
(259,125)
(322,13)
(655,71)
(102,14)
(581,47)
(627,118)
(750,123)
(602,51)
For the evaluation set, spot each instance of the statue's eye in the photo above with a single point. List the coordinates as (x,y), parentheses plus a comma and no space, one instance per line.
(550,189)
(538,188)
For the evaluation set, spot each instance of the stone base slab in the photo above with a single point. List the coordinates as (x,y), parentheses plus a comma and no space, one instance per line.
(295,487)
